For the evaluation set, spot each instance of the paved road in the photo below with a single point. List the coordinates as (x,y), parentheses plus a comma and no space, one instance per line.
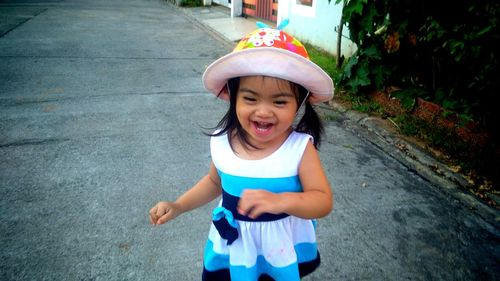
(102,113)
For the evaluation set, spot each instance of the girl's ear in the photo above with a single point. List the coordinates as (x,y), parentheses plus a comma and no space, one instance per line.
(224,93)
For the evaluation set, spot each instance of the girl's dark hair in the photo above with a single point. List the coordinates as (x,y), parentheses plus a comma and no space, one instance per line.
(310,122)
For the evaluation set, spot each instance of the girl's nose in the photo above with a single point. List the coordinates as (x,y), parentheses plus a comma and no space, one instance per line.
(264,111)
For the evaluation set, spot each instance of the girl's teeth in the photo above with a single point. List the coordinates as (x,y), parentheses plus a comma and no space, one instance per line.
(263,126)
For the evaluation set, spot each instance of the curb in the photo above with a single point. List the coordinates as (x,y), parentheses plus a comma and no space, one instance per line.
(214,33)
(414,158)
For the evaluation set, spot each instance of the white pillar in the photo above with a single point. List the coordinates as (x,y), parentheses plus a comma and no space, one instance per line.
(283,11)
(236,8)
(207,2)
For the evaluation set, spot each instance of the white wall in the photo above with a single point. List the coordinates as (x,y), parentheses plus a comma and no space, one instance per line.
(316,24)
(222,2)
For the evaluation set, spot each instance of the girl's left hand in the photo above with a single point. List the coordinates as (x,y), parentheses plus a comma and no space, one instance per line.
(254,203)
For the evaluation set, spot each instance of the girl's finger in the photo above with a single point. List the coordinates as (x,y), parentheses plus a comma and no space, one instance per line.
(242,211)
(245,205)
(152,215)
(165,218)
(255,212)
(152,211)
(161,211)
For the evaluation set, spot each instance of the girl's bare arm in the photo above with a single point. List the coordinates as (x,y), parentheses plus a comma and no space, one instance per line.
(204,191)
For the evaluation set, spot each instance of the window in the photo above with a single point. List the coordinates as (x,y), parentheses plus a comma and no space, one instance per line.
(305,2)
(249,6)
(305,8)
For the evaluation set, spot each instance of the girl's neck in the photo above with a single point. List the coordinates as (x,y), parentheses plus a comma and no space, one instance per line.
(253,151)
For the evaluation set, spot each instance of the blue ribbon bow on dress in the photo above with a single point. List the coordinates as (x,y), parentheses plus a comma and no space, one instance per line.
(225,224)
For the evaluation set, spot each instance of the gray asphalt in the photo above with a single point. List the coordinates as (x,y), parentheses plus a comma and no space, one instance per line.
(102,114)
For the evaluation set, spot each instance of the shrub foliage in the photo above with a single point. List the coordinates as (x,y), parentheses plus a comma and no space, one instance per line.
(444,51)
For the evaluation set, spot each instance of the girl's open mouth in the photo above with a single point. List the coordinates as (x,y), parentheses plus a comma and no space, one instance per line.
(262,128)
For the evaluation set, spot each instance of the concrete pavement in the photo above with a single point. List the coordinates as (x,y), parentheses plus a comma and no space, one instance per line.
(101,115)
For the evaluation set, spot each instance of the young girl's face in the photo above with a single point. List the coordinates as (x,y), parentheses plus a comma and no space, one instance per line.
(266,108)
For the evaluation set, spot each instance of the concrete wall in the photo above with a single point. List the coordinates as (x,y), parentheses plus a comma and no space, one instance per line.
(316,25)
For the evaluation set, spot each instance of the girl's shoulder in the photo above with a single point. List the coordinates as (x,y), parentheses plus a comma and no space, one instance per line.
(219,139)
(300,136)
(297,141)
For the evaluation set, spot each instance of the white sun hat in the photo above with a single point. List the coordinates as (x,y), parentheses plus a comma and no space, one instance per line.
(274,53)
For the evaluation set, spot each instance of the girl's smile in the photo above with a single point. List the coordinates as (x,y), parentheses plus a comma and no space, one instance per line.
(266,108)
(262,128)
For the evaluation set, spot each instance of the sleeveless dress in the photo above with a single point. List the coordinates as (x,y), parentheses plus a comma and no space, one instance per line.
(281,247)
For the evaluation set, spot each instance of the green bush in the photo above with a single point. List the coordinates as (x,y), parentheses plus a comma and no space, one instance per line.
(445,51)
(191,3)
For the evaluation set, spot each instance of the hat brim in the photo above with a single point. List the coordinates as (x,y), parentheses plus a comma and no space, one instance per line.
(270,62)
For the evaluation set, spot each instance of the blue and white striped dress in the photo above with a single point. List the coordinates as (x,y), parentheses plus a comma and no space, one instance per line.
(282,247)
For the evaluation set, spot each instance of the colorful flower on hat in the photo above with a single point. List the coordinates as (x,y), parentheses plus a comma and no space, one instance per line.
(268,37)
(264,37)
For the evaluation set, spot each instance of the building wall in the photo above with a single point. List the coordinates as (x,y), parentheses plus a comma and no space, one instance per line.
(222,3)
(316,24)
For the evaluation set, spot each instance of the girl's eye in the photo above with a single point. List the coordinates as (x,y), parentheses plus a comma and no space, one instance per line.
(281,102)
(249,99)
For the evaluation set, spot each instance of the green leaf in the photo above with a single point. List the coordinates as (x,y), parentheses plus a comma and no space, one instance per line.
(358,6)
(351,63)
(380,74)
(372,52)
(353,7)
(484,30)
(362,76)
(406,98)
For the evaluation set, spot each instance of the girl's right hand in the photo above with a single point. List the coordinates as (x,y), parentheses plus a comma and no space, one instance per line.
(163,212)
